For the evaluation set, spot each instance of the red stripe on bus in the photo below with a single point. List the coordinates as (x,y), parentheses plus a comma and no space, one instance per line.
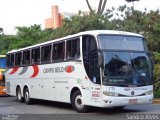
(36,71)
(14,70)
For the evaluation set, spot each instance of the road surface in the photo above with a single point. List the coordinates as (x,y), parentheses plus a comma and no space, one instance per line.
(10,109)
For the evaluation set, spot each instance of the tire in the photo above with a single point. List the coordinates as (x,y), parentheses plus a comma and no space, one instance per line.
(27,98)
(77,103)
(19,95)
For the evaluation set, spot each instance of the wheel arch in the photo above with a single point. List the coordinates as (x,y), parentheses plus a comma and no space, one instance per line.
(73,90)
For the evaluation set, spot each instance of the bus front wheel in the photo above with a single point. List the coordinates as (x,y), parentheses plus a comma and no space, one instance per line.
(27,98)
(77,102)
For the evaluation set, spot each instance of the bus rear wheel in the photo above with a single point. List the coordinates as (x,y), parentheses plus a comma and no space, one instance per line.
(77,102)
(19,95)
(27,98)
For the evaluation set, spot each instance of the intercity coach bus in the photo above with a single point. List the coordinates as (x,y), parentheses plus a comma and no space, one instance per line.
(2,77)
(100,68)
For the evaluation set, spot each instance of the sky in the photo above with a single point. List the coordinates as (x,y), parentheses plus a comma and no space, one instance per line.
(29,12)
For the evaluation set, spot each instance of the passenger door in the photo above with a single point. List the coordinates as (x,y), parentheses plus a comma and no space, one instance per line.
(90,59)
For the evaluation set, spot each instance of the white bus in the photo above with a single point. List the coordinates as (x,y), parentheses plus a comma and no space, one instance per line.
(100,68)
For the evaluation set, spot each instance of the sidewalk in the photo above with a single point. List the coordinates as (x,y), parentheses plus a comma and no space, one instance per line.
(156,101)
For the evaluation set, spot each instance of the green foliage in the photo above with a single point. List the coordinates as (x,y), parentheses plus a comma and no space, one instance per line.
(26,36)
(157,94)
(157,71)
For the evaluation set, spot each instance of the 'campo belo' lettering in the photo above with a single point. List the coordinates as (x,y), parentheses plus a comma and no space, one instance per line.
(67,69)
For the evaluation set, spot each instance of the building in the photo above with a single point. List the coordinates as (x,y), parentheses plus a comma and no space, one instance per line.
(56,18)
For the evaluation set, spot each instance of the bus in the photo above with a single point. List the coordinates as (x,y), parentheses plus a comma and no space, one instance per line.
(99,68)
(2,77)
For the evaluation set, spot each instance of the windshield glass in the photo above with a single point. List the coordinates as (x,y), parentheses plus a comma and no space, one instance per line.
(126,68)
(2,63)
(121,42)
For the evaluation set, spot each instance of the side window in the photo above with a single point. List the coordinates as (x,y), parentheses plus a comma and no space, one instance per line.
(58,51)
(26,57)
(90,58)
(54,52)
(35,55)
(18,58)
(73,48)
(8,60)
(46,53)
(12,60)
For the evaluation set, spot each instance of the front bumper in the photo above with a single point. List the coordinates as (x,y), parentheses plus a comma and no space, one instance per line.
(109,101)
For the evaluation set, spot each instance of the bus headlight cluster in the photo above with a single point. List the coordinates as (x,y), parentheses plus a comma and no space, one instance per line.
(149,92)
(110,93)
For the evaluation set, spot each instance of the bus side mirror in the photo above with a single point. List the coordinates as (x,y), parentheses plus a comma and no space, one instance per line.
(100,59)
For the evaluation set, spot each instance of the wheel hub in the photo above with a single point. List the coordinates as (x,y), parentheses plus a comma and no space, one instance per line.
(79,102)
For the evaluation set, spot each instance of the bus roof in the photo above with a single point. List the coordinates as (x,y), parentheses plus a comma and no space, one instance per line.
(91,32)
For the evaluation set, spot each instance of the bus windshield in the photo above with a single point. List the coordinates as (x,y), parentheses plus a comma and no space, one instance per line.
(2,63)
(126,68)
(121,42)
(126,61)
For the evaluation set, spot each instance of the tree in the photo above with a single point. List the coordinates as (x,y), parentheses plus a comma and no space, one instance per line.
(132,1)
(1,30)
(101,6)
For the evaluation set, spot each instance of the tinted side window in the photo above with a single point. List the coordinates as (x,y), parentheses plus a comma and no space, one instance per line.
(46,53)
(8,60)
(90,58)
(58,51)
(18,57)
(73,48)
(35,55)
(54,52)
(26,57)
(12,60)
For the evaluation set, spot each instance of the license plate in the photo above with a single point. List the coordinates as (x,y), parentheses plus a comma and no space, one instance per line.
(132,101)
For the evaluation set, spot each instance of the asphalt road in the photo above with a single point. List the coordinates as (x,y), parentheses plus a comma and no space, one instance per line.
(10,109)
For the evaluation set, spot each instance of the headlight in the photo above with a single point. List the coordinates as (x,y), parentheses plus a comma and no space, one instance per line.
(4,89)
(149,92)
(110,93)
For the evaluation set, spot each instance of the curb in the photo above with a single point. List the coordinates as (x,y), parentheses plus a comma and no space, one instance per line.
(156,101)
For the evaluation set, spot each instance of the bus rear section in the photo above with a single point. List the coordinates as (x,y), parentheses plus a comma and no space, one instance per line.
(2,75)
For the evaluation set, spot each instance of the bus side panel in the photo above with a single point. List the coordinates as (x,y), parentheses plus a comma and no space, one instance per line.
(51,81)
